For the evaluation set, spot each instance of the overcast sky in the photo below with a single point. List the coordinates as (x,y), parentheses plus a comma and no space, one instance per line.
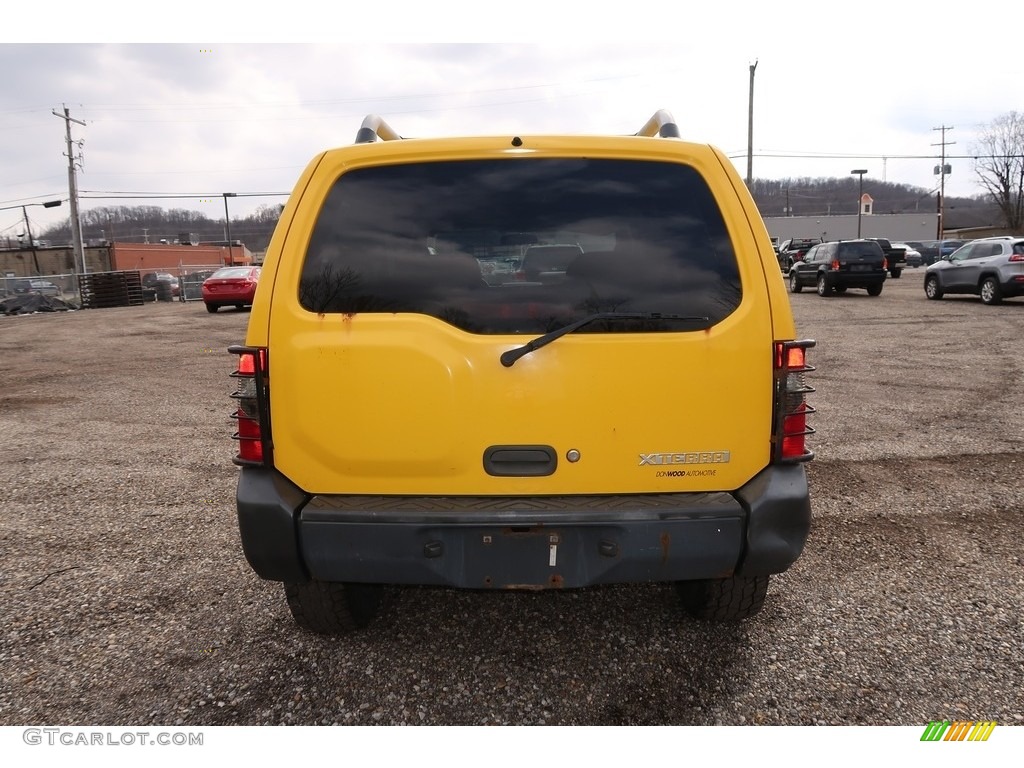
(837,87)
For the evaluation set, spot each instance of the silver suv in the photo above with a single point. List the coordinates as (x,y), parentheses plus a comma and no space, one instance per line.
(992,268)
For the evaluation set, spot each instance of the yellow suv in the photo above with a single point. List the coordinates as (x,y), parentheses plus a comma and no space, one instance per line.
(416,407)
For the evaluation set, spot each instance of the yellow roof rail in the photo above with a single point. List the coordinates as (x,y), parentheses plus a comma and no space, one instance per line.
(661,124)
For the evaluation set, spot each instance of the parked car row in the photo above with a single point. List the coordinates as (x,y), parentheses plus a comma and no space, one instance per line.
(991,268)
(930,251)
(919,253)
(229,286)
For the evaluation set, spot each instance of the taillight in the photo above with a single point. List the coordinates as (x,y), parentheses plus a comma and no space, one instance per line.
(835,263)
(790,411)
(885,263)
(1017,257)
(252,412)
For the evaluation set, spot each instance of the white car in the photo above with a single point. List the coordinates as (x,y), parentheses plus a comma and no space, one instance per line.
(914,257)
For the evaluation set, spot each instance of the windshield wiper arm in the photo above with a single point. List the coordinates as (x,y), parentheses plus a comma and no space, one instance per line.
(509,357)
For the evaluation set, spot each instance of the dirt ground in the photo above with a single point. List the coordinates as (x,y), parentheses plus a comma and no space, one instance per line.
(126,598)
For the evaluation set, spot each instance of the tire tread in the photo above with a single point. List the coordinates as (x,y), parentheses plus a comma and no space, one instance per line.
(331,608)
(730,599)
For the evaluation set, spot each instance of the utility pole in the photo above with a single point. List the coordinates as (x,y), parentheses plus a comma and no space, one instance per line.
(750,128)
(942,169)
(31,240)
(227,226)
(76,223)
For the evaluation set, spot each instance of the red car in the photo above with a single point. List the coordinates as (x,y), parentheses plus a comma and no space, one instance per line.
(230,285)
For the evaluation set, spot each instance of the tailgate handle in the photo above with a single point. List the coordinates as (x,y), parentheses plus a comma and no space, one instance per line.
(520,460)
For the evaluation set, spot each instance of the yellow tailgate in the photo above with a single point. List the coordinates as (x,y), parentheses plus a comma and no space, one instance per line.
(377,403)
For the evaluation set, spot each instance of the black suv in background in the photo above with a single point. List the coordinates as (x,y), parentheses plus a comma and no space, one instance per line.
(792,251)
(834,267)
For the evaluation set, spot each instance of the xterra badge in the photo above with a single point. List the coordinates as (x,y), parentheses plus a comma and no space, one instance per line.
(704,457)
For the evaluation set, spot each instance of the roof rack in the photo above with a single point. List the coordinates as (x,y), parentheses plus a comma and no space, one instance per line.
(374,128)
(661,124)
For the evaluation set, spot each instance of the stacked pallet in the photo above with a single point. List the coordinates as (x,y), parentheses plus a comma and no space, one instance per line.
(110,289)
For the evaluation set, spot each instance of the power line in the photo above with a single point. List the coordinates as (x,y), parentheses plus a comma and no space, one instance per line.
(115,195)
(814,156)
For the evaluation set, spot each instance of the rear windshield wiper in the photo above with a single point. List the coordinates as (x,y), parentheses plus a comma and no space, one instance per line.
(509,357)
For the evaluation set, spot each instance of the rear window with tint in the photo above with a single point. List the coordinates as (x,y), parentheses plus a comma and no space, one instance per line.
(854,250)
(523,246)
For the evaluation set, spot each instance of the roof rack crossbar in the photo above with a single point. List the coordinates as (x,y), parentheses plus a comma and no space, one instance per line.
(374,128)
(661,124)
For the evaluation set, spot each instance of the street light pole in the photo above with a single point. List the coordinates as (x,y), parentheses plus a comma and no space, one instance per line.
(860,195)
(28,229)
(31,240)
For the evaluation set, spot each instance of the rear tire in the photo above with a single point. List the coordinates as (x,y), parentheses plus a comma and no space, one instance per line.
(990,292)
(333,608)
(896,273)
(211,308)
(824,289)
(875,290)
(931,287)
(731,599)
(794,282)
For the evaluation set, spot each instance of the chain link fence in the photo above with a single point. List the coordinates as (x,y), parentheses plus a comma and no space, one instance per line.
(182,283)
(63,287)
(190,280)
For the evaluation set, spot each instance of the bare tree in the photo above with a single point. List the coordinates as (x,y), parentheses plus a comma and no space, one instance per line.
(999,165)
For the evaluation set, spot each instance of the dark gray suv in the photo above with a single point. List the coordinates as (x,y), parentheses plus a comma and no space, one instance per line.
(992,268)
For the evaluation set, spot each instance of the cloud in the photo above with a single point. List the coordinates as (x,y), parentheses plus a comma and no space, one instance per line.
(247,117)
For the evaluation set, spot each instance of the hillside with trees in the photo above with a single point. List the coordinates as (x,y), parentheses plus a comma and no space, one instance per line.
(774,197)
(838,197)
(150,223)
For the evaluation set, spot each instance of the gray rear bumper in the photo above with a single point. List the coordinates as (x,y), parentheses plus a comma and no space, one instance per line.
(522,543)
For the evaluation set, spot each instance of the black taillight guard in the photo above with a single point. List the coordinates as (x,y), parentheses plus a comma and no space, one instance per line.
(790,401)
(262,396)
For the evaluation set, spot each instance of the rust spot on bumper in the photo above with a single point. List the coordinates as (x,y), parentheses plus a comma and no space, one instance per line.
(666,543)
(554,581)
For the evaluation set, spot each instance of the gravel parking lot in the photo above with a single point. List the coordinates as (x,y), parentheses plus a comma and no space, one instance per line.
(126,599)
